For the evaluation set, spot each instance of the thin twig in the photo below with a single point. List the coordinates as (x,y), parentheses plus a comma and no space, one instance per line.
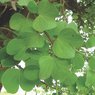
(49,39)
(62,7)
(3,10)
(47,84)
(44,83)
(5,28)
(28,15)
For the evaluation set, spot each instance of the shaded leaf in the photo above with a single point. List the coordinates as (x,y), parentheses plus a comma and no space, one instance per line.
(92,63)
(31,73)
(90,79)
(14,46)
(61,72)
(77,61)
(25,84)
(32,6)
(46,67)
(46,8)
(10,80)
(91,42)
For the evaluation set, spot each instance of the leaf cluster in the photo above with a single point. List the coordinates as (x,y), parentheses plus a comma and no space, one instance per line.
(50,48)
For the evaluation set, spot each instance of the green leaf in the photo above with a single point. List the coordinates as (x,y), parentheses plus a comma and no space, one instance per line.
(46,67)
(62,49)
(8,62)
(49,81)
(24,2)
(73,26)
(73,89)
(71,37)
(19,23)
(61,72)
(21,55)
(91,42)
(81,83)
(77,61)
(16,21)
(32,39)
(42,23)
(32,7)
(14,46)
(90,79)
(3,53)
(46,8)
(60,26)
(92,63)
(1,73)
(4,1)
(34,57)
(31,73)
(10,80)
(25,84)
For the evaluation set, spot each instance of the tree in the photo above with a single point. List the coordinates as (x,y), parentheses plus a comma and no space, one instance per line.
(38,32)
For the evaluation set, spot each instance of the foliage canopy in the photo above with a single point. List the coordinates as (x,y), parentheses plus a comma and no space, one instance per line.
(39,33)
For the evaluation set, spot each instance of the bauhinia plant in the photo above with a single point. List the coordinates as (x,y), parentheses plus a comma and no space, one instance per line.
(39,33)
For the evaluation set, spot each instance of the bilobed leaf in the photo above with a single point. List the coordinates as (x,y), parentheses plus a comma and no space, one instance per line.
(92,63)
(47,9)
(32,6)
(10,80)
(19,23)
(42,23)
(90,79)
(23,2)
(32,39)
(73,26)
(81,83)
(8,62)
(77,61)
(63,49)
(34,57)
(70,79)
(14,46)
(16,21)
(46,64)
(26,84)
(21,55)
(91,42)
(61,72)
(70,36)
(31,73)
(60,26)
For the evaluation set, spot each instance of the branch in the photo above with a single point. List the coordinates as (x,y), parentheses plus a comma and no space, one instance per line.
(49,39)
(5,28)
(3,10)
(44,83)
(47,84)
